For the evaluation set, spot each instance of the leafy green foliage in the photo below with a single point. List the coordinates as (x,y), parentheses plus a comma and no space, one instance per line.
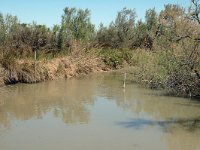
(115,58)
(120,33)
(78,22)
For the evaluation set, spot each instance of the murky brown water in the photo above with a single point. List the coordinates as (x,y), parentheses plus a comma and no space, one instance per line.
(95,113)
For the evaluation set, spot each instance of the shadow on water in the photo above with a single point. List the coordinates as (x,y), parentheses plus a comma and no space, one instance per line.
(191,125)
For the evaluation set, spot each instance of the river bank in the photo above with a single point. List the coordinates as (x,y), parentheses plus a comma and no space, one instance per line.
(143,67)
(30,71)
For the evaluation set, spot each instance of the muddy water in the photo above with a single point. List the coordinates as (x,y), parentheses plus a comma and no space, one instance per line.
(95,113)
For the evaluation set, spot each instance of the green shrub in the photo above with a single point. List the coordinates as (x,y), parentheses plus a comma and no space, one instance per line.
(115,58)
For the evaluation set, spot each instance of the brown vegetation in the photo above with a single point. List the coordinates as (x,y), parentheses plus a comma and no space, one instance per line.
(63,67)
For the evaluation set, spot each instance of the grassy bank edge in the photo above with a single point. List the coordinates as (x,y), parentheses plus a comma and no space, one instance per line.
(147,68)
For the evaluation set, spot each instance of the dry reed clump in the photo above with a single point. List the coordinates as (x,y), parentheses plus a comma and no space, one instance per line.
(25,73)
(28,71)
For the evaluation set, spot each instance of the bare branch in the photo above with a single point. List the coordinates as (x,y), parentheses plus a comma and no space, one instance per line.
(195,10)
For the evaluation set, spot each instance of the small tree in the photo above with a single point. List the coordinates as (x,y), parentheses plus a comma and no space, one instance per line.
(178,40)
(125,24)
(76,25)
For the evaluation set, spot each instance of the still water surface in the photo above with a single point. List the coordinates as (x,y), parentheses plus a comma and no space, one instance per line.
(95,113)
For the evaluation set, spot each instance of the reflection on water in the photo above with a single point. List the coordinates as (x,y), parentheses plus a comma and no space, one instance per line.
(24,102)
(192,124)
(88,112)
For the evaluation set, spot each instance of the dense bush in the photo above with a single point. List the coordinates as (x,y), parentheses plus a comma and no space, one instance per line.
(116,58)
(21,40)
